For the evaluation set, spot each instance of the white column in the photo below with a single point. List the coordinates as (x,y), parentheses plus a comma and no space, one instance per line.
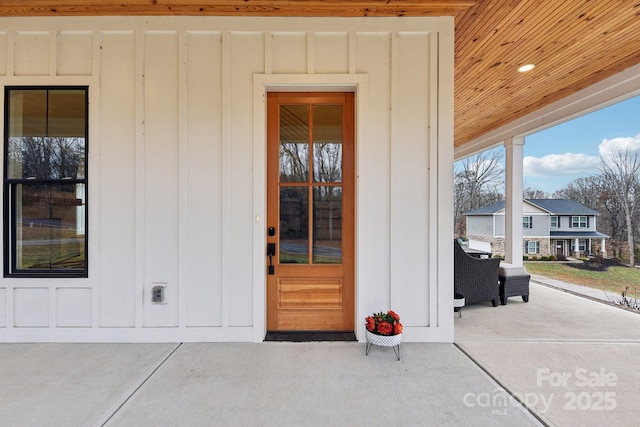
(603,249)
(576,248)
(513,201)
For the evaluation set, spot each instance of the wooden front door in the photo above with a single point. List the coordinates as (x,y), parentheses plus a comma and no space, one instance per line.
(310,211)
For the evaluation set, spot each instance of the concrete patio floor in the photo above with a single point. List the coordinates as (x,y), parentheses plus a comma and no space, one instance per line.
(553,353)
(268,384)
(571,360)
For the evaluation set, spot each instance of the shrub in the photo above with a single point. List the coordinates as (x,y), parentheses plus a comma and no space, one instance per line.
(553,258)
(544,258)
(525,258)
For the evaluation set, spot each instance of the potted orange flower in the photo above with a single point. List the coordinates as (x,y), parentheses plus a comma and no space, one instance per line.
(384,329)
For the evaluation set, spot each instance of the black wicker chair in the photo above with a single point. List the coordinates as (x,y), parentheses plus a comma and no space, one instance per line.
(475,279)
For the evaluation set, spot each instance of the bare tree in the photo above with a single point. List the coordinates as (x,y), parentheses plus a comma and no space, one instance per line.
(534,193)
(327,161)
(478,182)
(585,190)
(52,157)
(620,171)
(596,193)
(613,219)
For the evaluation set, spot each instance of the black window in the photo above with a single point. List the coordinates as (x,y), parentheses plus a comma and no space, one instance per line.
(45,185)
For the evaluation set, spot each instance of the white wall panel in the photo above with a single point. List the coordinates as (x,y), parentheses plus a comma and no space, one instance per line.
(204,182)
(410,179)
(32,54)
(3,307)
(175,189)
(373,53)
(31,307)
(289,53)
(161,175)
(4,39)
(116,187)
(247,58)
(331,53)
(75,53)
(73,307)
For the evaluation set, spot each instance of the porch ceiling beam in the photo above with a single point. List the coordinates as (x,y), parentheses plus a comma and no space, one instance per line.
(306,8)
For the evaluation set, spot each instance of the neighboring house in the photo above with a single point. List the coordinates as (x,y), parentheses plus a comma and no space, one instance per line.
(558,227)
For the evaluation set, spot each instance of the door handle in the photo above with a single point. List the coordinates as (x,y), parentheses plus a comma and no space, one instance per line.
(271,252)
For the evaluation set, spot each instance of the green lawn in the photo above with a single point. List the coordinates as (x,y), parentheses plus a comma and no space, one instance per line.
(615,280)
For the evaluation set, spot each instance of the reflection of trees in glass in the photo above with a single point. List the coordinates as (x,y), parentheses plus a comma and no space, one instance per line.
(294,211)
(327,162)
(46,157)
(294,162)
(48,230)
(327,225)
(327,203)
(294,143)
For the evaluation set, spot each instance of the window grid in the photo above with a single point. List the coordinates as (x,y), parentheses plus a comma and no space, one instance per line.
(579,222)
(45,185)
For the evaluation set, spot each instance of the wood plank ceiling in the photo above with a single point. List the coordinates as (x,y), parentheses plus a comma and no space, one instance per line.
(574,44)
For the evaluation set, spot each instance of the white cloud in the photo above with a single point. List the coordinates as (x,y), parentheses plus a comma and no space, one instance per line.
(610,146)
(560,164)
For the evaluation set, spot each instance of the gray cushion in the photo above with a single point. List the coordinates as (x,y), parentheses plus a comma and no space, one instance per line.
(509,270)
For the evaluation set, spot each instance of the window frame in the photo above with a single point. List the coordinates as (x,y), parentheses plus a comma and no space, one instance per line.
(527,221)
(576,221)
(10,185)
(536,247)
(557,221)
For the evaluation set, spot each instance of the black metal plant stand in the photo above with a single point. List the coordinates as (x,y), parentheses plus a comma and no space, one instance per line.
(384,341)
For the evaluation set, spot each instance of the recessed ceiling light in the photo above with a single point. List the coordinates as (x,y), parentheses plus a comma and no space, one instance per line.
(526,67)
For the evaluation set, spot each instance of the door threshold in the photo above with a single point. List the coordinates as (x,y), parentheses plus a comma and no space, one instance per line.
(307,336)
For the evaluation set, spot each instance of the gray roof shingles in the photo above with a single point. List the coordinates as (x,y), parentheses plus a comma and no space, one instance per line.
(553,206)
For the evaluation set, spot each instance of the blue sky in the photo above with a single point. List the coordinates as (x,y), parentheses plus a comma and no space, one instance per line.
(558,155)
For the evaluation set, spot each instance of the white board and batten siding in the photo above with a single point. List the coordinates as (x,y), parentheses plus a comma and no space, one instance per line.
(176,170)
